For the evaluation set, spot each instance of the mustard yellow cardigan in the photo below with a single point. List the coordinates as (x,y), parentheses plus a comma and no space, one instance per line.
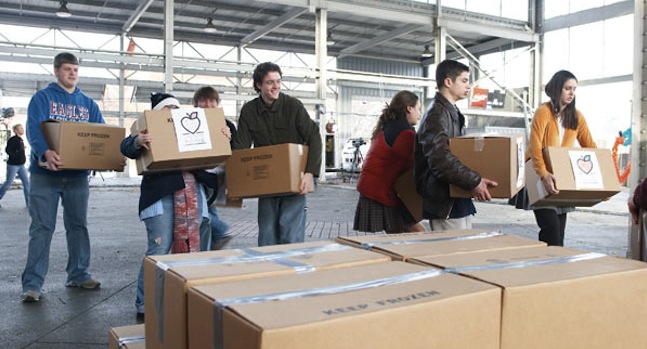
(544,132)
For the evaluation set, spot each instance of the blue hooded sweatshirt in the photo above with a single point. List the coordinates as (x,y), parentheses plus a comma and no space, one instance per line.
(54,102)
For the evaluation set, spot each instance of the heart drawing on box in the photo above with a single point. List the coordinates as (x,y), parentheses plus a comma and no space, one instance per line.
(585,164)
(190,122)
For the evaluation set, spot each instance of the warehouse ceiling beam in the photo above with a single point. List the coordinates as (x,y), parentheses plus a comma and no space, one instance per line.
(358,9)
(496,45)
(135,16)
(461,26)
(277,22)
(588,16)
(361,46)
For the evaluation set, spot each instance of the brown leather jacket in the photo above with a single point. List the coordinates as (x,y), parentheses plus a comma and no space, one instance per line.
(434,165)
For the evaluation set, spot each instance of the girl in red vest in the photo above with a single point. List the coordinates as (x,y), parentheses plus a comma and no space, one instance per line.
(390,155)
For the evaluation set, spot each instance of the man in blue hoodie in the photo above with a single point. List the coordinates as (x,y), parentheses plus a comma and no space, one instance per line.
(61,100)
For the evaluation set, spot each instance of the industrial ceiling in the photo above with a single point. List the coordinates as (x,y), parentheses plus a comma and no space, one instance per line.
(394,30)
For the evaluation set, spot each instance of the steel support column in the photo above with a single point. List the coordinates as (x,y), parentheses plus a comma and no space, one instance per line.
(168,45)
(321,52)
(638,119)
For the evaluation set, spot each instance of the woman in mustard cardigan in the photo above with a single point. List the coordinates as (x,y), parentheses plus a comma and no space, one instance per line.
(556,123)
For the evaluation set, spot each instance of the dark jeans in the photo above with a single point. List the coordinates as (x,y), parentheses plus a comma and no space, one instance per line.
(551,226)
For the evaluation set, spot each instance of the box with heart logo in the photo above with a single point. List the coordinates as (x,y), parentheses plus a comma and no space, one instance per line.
(584,176)
(495,156)
(84,145)
(183,139)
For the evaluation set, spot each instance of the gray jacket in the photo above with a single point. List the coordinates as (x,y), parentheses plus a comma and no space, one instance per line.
(434,165)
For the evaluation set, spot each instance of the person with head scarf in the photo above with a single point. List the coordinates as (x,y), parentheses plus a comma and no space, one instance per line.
(172,205)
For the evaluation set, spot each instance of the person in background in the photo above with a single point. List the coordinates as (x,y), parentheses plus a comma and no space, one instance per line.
(435,167)
(208,97)
(638,201)
(391,155)
(172,205)
(60,100)
(556,123)
(276,118)
(16,163)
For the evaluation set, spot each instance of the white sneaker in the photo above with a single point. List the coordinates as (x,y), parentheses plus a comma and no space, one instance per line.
(30,296)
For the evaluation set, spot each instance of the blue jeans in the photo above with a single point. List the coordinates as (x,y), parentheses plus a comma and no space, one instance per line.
(218,228)
(281,219)
(11,175)
(159,231)
(46,190)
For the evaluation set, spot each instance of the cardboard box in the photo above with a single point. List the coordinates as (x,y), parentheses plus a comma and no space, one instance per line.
(584,177)
(84,145)
(554,297)
(495,156)
(409,245)
(405,187)
(183,139)
(167,278)
(389,305)
(127,337)
(271,170)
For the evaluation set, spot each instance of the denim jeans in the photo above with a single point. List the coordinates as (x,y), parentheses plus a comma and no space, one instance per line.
(218,228)
(44,195)
(11,175)
(281,219)
(159,232)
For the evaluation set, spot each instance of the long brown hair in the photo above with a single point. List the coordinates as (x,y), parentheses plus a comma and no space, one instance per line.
(554,90)
(396,109)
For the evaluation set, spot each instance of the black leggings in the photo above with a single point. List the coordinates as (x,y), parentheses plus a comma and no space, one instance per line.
(551,226)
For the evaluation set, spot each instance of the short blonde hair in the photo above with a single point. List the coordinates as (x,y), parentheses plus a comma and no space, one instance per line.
(15,127)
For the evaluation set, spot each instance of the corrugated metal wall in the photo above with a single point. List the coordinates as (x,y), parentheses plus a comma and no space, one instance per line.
(359,107)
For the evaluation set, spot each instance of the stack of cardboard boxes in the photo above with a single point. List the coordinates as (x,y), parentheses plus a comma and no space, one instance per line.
(451,289)
(422,290)
(169,278)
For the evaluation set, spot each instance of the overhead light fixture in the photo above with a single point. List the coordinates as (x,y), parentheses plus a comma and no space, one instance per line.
(62,11)
(210,28)
(329,40)
(426,53)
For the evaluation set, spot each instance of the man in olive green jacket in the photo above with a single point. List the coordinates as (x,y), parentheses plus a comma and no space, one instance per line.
(276,118)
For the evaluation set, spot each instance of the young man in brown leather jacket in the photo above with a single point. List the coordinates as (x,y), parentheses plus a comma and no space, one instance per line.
(435,166)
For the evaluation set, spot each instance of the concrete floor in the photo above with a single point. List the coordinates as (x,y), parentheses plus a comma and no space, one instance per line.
(73,318)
